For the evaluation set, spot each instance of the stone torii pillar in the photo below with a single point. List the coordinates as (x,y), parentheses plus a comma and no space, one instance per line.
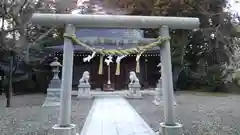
(169,127)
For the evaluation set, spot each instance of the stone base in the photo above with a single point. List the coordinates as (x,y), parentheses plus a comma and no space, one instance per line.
(158,97)
(134,91)
(84,97)
(158,102)
(84,91)
(50,103)
(71,130)
(170,130)
(161,102)
(55,83)
(53,97)
(134,96)
(108,87)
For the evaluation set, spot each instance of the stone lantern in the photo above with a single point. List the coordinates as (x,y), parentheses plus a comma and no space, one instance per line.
(158,96)
(55,68)
(54,88)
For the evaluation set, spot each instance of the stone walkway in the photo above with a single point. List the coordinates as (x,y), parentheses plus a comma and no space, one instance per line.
(114,116)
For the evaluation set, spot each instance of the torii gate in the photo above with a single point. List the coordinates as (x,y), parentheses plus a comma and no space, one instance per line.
(70,21)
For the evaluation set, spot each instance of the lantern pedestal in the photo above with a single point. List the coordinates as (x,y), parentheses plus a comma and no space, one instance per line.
(53,97)
(53,93)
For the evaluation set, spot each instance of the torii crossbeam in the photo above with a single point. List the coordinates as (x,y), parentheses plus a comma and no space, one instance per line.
(115,21)
(70,21)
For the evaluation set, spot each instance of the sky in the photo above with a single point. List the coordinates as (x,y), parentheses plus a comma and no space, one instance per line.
(235,5)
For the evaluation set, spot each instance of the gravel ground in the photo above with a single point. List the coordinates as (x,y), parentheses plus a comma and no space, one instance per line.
(200,114)
(27,117)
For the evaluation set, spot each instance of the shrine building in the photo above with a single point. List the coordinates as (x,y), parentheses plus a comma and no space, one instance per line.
(147,70)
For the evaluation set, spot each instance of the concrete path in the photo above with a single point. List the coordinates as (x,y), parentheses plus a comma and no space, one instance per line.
(114,116)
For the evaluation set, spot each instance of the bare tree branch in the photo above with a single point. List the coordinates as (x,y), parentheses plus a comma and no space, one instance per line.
(44,35)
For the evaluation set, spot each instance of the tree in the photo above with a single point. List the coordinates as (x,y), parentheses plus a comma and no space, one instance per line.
(18,36)
(206,44)
(22,41)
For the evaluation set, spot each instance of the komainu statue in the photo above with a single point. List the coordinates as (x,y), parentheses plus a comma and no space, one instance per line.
(134,86)
(85,78)
(84,86)
(133,78)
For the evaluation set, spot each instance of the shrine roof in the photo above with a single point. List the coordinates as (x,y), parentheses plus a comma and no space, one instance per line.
(125,38)
(110,33)
(107,47)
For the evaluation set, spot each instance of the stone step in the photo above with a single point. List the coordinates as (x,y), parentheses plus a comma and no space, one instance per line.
(120,93)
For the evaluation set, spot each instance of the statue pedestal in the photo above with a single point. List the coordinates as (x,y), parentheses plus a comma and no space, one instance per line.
(158,96)
(53,93)
(134,90)
(84,91)
(108,87)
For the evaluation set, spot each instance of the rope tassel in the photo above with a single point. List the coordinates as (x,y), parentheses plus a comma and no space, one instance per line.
(100,68)
(118,61)
(138,62)
(118,69)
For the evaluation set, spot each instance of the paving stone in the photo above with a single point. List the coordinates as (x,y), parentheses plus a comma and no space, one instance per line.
(114,116)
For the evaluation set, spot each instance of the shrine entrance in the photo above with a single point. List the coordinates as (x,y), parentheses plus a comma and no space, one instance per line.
(70,22)
(111,39)
(119,82)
